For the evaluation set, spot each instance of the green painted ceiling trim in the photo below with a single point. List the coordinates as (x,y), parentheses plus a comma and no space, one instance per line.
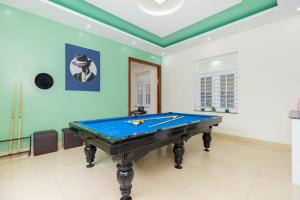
(240,11)
(105,17)
(226,17)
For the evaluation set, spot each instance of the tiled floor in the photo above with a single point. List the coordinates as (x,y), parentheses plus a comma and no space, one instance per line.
(233,170)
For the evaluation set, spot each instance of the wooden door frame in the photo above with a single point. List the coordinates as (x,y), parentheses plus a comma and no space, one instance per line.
(158,68)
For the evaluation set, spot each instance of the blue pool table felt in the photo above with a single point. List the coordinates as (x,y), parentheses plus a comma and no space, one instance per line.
(120,128)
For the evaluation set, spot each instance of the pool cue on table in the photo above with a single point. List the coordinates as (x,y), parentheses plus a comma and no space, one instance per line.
(12,118)
(20,117)
(173,116)
(166,121)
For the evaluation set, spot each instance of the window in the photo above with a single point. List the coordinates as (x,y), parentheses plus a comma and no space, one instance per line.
(206,91)
(227,90)
(139,92)
(143,91)
(216,84)
(148,93)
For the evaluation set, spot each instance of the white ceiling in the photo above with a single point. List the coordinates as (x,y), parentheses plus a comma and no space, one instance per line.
(191,12)
(286,8)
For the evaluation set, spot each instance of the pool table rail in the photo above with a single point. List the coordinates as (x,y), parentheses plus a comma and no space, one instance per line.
(212,121)
(145,141)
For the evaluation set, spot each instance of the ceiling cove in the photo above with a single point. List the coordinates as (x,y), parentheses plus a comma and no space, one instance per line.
(237,12)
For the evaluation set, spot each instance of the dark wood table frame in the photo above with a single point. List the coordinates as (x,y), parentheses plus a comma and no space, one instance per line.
(124,152)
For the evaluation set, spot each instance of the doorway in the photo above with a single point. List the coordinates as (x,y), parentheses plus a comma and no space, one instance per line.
(143,86)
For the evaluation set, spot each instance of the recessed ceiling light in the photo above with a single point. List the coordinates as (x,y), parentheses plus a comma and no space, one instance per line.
(298,9)
(208,38)
(133,42)
(159,1)
(159,7)
(216,63)
(88,26)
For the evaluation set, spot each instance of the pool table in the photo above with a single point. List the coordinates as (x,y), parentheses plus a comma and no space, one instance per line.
(126,142)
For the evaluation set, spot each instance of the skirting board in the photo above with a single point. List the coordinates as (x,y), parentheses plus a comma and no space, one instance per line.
(254,141)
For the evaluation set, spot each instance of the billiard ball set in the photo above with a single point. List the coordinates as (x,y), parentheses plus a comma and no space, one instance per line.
(136,122)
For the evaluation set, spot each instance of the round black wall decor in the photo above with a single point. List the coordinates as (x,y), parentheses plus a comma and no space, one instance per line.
(44,81)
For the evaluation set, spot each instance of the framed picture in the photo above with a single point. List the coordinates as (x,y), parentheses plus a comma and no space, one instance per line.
(82,68)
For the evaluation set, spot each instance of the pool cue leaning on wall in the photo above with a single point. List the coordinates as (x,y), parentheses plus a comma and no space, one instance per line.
(12,117)
(20,117)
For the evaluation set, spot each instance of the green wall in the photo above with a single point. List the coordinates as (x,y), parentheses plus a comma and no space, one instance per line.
(30,44)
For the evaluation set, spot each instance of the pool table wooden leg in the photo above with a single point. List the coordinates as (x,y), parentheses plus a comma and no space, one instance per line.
(206,140)
(178,151)
(90,151)
(125,176)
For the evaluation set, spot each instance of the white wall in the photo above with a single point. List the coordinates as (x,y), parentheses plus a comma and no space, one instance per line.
(217,63)
(269,79)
